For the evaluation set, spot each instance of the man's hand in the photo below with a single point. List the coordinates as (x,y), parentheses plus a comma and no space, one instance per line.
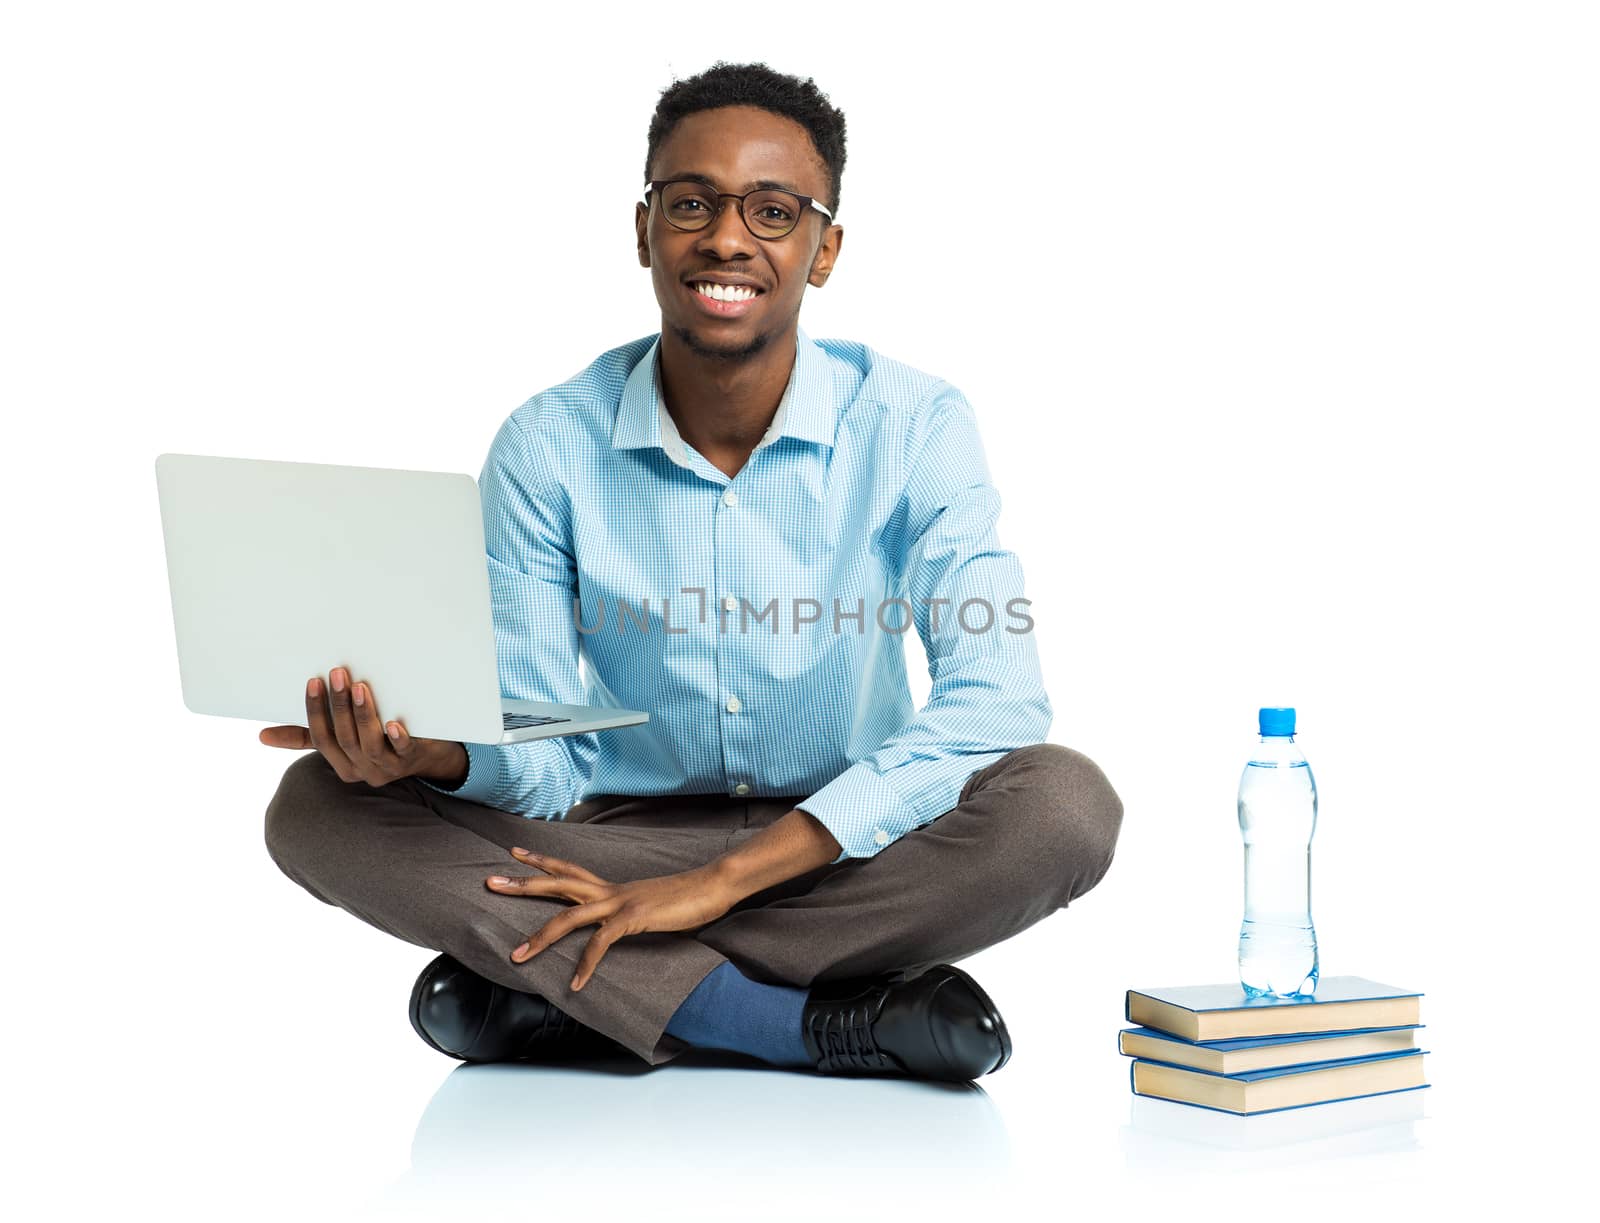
(683,901)
(351,738)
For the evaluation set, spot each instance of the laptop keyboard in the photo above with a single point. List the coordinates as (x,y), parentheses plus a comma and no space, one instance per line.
(517,721)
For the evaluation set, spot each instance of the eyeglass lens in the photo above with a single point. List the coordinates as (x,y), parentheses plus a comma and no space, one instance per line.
(769,214)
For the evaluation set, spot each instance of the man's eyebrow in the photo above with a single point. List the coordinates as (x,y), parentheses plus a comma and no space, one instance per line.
(765,184)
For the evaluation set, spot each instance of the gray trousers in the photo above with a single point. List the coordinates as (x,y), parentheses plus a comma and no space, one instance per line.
(1032,832)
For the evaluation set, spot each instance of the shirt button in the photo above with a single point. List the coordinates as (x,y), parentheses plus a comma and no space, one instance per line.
(881,837)
(741,788)
(730,603)
(730,498)
(733,705)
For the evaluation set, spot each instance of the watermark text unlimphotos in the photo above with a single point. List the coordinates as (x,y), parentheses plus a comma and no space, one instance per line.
(975,615)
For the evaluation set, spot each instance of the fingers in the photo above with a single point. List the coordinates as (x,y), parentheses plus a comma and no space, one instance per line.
(559,926)
(579,890)
(555,866)
(598,946)
(348,731)
(401,741)
(369,728)
(295,738)
(344,722)
(320,729)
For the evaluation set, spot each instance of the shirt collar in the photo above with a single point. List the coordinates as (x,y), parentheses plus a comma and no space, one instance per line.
(806,410)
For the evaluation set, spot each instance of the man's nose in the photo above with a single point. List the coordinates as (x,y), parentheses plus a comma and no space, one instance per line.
(727,234)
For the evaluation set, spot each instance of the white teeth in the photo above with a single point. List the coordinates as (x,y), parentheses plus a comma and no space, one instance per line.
(724,293)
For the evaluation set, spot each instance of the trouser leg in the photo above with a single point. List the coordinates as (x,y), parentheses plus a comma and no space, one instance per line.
(1031,833)
(412,861)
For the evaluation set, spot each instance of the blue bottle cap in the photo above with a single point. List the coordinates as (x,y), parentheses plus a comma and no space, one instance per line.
(1277,721)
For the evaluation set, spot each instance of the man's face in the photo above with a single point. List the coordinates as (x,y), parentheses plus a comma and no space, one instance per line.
(736,147)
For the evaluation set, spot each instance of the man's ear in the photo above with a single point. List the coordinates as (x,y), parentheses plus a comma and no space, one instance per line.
(827,252)
(641,225)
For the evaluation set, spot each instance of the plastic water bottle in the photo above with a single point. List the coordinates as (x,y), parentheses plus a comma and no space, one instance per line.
(1277,815)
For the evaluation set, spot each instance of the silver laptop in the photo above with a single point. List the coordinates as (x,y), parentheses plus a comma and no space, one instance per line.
(282,571)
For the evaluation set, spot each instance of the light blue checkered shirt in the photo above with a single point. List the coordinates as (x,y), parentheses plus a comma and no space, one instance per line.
(752,617)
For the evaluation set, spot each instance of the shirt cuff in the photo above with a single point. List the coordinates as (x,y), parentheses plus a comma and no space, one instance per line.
(483,774)
(862,811)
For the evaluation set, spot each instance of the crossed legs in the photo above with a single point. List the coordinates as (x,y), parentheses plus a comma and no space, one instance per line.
(1031,833)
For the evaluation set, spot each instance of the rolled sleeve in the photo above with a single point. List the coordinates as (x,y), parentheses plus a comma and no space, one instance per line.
(484,775)
(862,811)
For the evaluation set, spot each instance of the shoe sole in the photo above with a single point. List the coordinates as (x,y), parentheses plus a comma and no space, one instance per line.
(993,1012)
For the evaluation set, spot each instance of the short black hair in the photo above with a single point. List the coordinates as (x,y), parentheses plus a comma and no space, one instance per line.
(725,84)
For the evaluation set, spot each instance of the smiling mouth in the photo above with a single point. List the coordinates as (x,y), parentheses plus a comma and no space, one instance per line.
(723,301)
(724,293)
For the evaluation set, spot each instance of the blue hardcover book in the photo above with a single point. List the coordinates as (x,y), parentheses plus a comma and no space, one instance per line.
(1205,1013)
(1283,1087)
(1263,1052)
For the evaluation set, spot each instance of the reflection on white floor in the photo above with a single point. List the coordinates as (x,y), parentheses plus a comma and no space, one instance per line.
(614,1131)
(1164,1137)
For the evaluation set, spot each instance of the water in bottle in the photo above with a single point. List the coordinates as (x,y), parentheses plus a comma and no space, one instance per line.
(1277,815)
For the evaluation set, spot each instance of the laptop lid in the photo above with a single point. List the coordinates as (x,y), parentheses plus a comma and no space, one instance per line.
(281,571)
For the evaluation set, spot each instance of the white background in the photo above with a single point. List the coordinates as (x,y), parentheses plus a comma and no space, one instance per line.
(1279,321)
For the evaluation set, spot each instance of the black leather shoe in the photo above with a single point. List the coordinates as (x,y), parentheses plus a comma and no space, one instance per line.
(939,1025)
(464,1015)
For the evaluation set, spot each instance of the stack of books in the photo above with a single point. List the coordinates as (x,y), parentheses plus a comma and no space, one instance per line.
(1214,1047)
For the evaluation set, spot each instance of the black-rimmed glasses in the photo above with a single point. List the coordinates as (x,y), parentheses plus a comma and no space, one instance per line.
(768,213)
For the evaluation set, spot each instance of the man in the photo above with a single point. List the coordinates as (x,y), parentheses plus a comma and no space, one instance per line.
(733,524)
